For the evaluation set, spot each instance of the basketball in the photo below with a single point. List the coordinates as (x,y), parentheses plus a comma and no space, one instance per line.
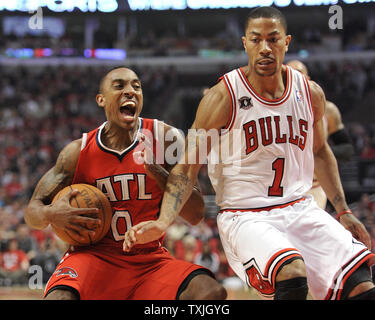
(89,197)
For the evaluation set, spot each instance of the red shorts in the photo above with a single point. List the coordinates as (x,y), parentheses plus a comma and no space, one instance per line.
(106,275)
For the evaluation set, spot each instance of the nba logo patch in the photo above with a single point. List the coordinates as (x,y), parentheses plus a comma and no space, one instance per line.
(298,95)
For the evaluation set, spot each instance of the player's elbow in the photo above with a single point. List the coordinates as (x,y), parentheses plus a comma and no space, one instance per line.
(199,215)
(34,216)
(194,210)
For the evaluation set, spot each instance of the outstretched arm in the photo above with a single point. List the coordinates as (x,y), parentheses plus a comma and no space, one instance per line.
(194,209)
(213,113)
(327,172)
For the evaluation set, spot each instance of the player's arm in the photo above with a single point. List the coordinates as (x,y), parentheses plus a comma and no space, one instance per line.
(327,171)
(194,209)
(341,143)
(213,113)
(40,212)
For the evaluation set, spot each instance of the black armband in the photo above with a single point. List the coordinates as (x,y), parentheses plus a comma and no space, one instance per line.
(341,145)
(340,137)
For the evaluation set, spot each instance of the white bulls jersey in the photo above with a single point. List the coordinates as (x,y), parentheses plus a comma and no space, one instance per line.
(265,155)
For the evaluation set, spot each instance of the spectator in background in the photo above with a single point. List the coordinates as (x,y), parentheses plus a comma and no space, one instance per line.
(368,151)
(26,243)
(14,264)
(207,258)
(48,257)
(201,231)
(190,248)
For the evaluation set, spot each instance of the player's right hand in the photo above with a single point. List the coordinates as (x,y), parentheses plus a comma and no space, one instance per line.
(62,215)
(356,227)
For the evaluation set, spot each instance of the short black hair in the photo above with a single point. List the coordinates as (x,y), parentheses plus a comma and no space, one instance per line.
(101,83)
(266,12)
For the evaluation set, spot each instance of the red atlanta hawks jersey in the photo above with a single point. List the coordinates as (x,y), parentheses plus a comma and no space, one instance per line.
(265,154)
(133,195)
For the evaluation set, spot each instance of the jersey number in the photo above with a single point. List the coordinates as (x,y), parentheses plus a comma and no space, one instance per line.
(276,190)
(121,222)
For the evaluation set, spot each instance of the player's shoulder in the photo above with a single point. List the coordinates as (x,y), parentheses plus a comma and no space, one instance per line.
(333,116)
(218,92)
(73,147)
(215,108)
(68,157)
(318,99)
(332,108)
(316,90)
(168,132)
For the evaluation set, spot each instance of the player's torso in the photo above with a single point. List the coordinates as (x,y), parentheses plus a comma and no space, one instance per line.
(266,149)
(133,195)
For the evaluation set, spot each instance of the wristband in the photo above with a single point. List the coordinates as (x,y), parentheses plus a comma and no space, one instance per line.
(343,212)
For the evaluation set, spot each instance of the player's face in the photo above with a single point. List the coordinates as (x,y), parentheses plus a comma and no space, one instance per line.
(122,97)
(265,43)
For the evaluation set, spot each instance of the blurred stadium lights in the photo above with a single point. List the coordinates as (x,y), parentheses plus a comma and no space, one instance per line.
(108,6)
(60,5)
(27,53)
(106,57)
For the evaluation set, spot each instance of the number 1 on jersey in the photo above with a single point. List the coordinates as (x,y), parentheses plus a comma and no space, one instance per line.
(276,190)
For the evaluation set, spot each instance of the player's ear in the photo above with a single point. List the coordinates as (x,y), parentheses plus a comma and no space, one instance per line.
(244,42)
(100,100)
(288,38)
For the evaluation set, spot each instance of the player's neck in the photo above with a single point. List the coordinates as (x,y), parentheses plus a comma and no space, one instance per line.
(269,87)
(118,138)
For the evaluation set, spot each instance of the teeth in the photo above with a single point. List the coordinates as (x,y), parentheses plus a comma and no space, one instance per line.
(128,103)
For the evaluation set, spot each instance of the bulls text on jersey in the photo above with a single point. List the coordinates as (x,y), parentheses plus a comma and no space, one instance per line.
(270,132)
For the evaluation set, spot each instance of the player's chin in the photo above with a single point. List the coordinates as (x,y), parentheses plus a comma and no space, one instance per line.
(129,122)
(265,72)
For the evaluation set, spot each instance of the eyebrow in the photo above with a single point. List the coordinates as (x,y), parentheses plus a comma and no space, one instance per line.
(270,34)
(123,80)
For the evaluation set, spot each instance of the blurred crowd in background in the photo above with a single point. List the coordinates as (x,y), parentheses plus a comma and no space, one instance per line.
(173,35)
(41,112)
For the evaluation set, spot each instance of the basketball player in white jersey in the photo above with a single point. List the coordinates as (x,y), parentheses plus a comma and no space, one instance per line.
(336,133)
(275,238)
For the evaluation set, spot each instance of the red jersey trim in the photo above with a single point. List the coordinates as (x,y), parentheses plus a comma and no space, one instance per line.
(308,94)
(268,102)
(269,208)
(361,257)
(233,112)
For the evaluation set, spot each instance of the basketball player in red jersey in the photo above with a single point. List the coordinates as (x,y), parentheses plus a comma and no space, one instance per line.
(106,158)
(336,133)
(275,238)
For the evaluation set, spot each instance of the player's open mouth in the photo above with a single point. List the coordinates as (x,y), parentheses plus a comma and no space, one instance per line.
(128,110)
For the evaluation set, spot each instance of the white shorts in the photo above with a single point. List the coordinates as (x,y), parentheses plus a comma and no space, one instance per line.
(257,244)
(319,196)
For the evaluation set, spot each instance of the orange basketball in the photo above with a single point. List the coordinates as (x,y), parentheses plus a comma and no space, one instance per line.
(89,197)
